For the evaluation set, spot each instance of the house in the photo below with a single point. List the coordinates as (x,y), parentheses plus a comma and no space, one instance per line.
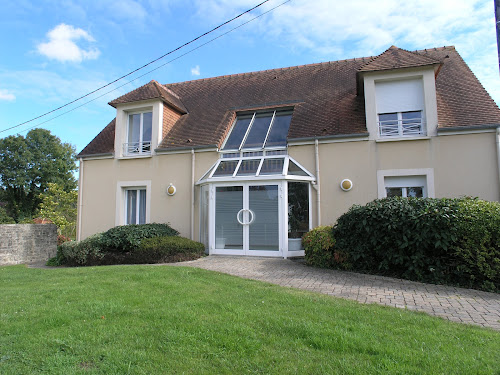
(247,163)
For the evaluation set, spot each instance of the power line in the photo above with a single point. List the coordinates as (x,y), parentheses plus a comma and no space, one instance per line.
(136,70)
(158,67)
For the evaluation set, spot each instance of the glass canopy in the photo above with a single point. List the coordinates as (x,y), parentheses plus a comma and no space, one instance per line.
(265,166)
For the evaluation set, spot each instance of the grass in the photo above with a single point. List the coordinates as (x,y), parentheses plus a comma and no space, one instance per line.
(175,320)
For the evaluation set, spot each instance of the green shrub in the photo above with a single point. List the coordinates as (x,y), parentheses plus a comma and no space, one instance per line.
(84,253)
(126,238)
(5,218)
(167,249)
(319,247)
(453,241)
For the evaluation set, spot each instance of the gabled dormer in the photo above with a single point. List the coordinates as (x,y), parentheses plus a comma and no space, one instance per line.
(143,118)
(399,88)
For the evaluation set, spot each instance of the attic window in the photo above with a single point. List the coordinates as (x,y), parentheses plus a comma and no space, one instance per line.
(259,130)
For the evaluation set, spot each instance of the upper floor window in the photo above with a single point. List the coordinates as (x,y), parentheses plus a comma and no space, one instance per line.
(400,108)
(139,133)
(259,131)
(400,124)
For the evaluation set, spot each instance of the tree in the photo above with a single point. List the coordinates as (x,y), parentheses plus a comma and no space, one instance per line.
(28,165)
(59,206)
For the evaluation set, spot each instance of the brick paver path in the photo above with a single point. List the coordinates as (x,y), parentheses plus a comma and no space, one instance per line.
(456,304)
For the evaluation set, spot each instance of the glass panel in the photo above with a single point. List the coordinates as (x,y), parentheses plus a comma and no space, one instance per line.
(237,134)
(131,207)
(258,132)
(142,207)
(231,155)
(225,168)
(250,154)
(134,128)
(295,170)
(388,124)
(298,209)
(416,192)
(272,166)
(204,201)
(412,122)
(248,167)
(228,232)
(147,124)
(279,131)
(394,192)
(264,230)
(276,152)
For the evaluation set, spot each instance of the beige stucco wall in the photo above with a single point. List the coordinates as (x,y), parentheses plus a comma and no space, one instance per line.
(462,165)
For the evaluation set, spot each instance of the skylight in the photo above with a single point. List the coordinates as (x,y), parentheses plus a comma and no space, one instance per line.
(259,130)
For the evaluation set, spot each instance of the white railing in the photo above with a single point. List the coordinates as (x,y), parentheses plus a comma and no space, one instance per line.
(401,128)
(137,148)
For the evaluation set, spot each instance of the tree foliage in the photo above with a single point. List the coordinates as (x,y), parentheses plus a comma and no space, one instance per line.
(60,207)
(28,164)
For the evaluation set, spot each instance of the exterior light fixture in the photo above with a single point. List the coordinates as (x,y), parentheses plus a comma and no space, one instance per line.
(346,184)
(171,189)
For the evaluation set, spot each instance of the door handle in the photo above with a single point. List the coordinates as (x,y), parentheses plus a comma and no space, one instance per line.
(238,216)
(253,217)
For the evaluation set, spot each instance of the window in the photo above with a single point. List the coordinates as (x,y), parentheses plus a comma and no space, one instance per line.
(406,186)
(400,108)
(400,124)
(259,130)
(139,133)
(135,206)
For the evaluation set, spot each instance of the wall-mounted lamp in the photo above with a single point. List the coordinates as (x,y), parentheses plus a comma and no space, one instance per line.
(171,189)
(346,184)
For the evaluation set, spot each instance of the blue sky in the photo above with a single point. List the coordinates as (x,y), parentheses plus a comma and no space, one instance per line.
(55,51)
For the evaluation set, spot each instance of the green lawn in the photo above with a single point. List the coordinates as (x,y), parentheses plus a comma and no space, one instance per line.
(162,320)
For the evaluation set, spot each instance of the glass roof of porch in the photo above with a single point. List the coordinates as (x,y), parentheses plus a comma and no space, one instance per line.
(259,167)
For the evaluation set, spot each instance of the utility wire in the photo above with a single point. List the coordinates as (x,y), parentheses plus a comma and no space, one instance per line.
(158,67)
(136,70)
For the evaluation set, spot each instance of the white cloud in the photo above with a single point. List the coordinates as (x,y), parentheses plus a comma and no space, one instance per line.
(195,71)
(62,44)
(332,30)
(6,95)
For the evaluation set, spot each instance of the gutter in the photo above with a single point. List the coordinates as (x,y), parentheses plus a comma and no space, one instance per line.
(89,156)
(468,127)
(498,153)
(80,201)
(336,137)
(193,159)
(316,185)
(186,149)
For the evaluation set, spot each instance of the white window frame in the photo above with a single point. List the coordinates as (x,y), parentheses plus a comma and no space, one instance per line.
(427,173)
(401,133)
(126,147)
(121,199)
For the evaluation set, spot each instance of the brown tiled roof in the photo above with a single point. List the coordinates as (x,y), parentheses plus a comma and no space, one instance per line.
(103,143)
(323,95)
(151,90)
(397,58)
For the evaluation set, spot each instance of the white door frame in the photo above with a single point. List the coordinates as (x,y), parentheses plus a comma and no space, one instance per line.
(245,217)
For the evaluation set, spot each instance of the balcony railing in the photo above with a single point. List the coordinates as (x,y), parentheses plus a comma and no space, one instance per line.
(401,128)
(134,148)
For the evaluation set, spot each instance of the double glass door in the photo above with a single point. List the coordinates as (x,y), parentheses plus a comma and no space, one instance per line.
(247,219)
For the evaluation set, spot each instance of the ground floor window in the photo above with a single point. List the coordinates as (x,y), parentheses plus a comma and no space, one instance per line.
(298,209)
(135,206)
(406,186)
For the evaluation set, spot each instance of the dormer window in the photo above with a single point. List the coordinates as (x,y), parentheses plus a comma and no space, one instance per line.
(259,130)
(400,108)
(139,132)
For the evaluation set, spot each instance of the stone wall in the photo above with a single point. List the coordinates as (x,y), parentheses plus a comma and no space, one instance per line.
(27,243)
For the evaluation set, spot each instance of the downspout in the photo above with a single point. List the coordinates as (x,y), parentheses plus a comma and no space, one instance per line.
(498,154)
(80,200)
(316,185)
(193,159)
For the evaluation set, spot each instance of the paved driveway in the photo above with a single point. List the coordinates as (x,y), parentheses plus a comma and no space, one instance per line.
(456,304)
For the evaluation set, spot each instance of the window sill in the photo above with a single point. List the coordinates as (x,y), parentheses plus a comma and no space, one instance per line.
(398,139)
(141,156)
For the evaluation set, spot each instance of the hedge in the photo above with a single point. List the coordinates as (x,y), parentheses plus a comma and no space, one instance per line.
(445,241)
(168,249)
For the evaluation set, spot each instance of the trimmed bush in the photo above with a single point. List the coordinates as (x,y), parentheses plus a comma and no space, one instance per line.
(167,249)
(126,238)
(318,245)
(84,253)
(454,241)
